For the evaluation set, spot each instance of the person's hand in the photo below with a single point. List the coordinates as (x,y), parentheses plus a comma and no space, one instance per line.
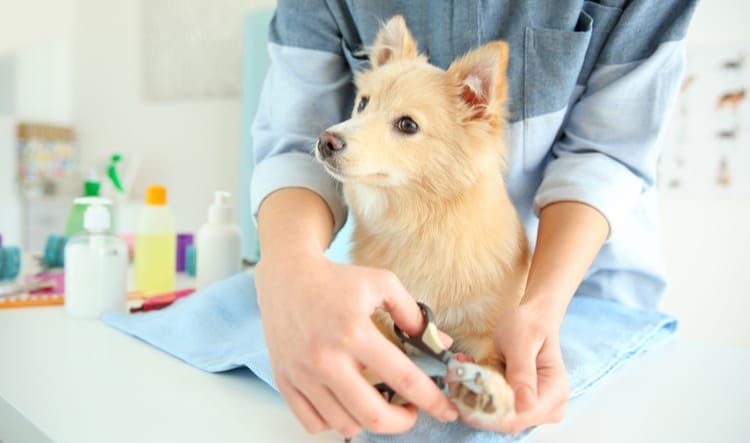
(316,320)
(527,341)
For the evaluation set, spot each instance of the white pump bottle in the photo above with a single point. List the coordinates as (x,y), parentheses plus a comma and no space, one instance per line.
(219,244)
(96,266)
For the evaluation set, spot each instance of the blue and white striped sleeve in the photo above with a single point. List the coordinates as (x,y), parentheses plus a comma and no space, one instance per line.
(307,89)
(607,154)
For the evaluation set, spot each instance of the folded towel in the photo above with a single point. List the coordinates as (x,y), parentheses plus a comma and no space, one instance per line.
(219,328)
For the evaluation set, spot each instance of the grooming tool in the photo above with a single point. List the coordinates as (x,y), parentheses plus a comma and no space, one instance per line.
(459,373)
(160,301)
(428,341)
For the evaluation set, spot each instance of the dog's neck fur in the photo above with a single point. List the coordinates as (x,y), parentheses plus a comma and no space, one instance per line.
(390,217)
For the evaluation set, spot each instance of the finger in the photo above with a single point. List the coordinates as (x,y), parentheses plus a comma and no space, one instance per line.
(368,407)
(521,372)
(395,300)
(302,409)
(401,374)
(331,410)
(554,392)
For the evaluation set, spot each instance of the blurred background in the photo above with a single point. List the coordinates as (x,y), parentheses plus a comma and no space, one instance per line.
(83,80)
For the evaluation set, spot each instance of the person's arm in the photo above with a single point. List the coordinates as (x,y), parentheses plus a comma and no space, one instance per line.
(316,313)
(602,163)
(316,318)
(527,337)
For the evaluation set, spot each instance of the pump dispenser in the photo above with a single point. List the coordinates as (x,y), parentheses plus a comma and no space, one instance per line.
(74,223)
(218,244)
(96,264)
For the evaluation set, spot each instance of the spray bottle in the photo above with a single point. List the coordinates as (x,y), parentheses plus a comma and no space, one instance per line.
(219,244)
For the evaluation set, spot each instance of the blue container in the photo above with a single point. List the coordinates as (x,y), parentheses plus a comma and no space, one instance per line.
(10,263)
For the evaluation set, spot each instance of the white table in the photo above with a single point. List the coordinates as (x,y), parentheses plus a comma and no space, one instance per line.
(81,381)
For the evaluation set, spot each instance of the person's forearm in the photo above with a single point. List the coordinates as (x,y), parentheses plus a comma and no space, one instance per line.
(294,221)
(569,237)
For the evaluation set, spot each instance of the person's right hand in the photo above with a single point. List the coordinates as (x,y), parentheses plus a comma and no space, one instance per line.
(316,320)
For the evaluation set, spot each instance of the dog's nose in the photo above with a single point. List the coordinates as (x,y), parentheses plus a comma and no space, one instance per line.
(330,143)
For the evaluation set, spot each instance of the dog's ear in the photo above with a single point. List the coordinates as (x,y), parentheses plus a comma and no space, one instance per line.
(393,42)
(481,75)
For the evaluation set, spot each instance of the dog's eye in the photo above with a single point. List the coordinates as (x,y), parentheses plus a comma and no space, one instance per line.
(407,125)
(363,103)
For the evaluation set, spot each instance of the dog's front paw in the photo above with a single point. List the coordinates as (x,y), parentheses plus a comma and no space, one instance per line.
(482,396)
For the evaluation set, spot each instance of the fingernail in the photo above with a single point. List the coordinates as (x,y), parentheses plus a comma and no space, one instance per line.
(450,414)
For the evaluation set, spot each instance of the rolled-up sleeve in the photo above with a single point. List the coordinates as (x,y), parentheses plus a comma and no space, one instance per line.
(607,154)
(307,89)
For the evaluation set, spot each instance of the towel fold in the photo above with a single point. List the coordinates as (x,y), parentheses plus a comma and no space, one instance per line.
(219,328)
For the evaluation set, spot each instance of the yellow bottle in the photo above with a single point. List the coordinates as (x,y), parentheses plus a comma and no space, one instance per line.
(155,245)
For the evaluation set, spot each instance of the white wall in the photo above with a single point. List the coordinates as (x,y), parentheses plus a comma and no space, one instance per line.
(190,146)
(35,49)
(707,240)
(30,23)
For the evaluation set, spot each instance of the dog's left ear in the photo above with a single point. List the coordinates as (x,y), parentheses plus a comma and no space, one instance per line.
(393,42)
(481,75)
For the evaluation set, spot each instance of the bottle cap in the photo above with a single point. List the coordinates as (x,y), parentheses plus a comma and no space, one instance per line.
(96,218)
(156,195)
(220,211)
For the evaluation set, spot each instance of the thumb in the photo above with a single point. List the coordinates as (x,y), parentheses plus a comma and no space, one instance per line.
(520,372)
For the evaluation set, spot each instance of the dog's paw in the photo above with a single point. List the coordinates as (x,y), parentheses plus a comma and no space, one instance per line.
(482,396)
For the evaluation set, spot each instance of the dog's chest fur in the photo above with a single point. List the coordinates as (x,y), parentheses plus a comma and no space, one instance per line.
(457,257)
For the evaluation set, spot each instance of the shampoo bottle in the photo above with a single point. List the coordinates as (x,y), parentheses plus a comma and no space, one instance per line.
(155,245)
(96,267)
(219,244)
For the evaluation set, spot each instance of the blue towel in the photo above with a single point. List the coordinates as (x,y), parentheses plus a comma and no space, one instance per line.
(219,328)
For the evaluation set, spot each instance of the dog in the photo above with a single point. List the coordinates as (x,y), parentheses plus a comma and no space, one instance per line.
(731,99)
(421,164)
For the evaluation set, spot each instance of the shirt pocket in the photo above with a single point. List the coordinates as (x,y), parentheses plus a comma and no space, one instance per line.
(553,60)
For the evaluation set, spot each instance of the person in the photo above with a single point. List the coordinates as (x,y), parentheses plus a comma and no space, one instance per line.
(591,86)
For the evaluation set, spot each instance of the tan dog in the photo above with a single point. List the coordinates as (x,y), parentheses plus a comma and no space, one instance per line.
(421,162)
(731,99)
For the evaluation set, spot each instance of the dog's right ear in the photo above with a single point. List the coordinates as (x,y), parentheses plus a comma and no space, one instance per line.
(393,42)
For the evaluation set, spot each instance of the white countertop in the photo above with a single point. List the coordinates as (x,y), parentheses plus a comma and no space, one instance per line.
(81,381)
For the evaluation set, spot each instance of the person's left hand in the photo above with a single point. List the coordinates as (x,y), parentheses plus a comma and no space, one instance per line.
(527,341)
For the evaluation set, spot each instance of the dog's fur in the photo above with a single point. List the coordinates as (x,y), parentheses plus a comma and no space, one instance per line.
(432,206)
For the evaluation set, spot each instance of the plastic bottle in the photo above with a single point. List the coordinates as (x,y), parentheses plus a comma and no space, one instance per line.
(155,245)
(219,244)
(96,267)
